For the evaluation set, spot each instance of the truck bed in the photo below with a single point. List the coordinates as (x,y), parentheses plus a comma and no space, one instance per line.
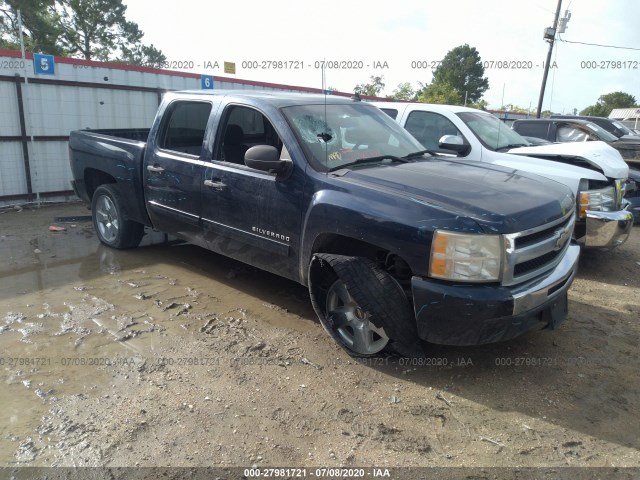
(110,156)
(139,134)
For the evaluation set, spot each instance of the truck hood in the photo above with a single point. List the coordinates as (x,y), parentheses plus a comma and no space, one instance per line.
(598,154)
(498,199)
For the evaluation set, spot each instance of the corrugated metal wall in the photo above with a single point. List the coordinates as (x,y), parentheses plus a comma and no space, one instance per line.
(79,95)
(82,94)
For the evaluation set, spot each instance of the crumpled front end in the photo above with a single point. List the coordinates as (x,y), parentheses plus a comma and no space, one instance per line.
(607,229)
(606,218)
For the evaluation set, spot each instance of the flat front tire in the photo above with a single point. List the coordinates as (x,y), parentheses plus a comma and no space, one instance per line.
(350,323)
(110,220)
(361,306)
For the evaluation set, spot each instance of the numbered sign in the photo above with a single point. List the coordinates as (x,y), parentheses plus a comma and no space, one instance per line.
(206,82)
(43,64)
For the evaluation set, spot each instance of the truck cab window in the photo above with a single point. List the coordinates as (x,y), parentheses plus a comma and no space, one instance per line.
(184,126)
(243,128)
(392,112)
(567,133)
(534,129)
(428,128)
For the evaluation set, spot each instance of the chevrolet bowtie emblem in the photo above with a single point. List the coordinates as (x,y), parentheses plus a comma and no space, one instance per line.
(563,236)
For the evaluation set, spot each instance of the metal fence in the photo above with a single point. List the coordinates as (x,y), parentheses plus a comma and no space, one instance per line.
(43,98)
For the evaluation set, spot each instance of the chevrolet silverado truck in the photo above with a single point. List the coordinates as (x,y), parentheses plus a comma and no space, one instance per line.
(394,244)
(595,172)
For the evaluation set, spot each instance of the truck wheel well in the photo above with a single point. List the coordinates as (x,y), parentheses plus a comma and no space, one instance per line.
(390,262)
(94,178)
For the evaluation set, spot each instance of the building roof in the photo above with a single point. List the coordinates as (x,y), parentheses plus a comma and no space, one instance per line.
(625,113)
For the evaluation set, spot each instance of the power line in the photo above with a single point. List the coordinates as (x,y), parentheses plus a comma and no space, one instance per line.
(598,45)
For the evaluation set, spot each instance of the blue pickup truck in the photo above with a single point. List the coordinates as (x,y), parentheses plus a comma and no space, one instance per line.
(394,243)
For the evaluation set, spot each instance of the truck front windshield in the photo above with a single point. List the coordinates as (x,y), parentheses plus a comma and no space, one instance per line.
(602,133)
(491,131)
(340,134)
(622,128)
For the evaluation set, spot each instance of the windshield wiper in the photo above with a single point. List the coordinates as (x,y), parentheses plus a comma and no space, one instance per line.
(370,160)
(419,154)
(512,145)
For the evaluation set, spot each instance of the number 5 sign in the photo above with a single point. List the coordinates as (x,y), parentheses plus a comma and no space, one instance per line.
(206,82)
(44,64)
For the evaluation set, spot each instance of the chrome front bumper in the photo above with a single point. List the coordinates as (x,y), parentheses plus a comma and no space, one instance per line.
(540,292)
(453,314)
(607,229)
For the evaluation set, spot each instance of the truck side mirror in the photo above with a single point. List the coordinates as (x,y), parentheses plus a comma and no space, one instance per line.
(266,158)
(455,143)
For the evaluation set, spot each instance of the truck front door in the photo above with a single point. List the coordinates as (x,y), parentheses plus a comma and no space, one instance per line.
(247,214)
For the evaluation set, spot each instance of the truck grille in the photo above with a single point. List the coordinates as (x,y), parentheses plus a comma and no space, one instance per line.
(535,251)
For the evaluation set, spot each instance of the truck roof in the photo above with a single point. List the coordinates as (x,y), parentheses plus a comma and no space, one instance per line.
(579,117)
(274,98)
(577,121)
(426,106)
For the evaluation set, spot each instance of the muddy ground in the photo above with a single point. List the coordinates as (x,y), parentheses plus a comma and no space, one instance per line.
(170,355)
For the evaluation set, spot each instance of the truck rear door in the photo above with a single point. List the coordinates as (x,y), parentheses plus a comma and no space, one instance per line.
(174,171)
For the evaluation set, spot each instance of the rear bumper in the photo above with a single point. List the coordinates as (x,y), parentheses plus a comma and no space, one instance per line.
(476,314)
(607,229)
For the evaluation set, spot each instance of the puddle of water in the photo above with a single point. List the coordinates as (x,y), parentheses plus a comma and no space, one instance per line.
(69,306)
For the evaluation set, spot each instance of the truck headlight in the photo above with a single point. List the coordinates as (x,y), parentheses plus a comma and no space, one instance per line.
(465,257)
(604,200)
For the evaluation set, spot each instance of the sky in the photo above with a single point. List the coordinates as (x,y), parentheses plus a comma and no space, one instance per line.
(401,40)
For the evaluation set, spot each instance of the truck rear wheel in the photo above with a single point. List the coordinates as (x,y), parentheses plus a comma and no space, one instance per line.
(361,306)
(110,221)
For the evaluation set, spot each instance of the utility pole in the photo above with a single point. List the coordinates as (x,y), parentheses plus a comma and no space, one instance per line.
(549,36)
(21,35)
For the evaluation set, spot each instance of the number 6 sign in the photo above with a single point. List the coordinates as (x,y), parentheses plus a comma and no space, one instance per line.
(206,82)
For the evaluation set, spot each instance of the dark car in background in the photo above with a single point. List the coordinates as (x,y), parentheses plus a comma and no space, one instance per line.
(615,127)
(575,130)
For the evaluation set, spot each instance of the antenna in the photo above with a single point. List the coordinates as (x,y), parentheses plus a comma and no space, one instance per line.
(499,120)
(324,136)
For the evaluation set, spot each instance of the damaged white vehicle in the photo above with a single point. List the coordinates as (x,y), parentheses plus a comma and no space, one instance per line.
(594,171)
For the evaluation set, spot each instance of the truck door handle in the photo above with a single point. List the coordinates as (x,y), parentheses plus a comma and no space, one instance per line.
(217,184)
(153,168)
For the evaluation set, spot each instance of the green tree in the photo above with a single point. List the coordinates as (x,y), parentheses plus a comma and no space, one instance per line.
(39,18)
(514,108)
(480,105)
(95,29)
(143,55)
(404,91)
(597,110)
(442,93)
(89,29)
(372,89)
(462,69)
(609,101)
(618,100)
